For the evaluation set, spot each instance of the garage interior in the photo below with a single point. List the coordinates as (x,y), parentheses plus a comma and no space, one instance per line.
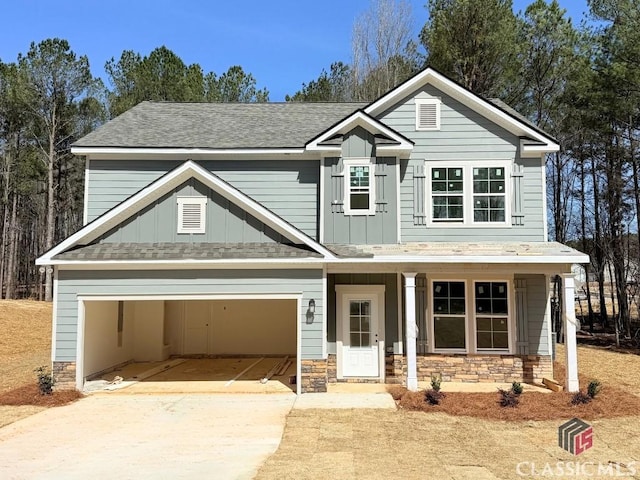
(191,345)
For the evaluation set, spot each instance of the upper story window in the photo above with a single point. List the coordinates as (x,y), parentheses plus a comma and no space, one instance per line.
(359,188)
(427,114)
(192,214)
(467,193)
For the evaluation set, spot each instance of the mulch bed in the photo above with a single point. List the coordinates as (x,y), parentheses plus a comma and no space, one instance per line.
(30,395)
(611,402)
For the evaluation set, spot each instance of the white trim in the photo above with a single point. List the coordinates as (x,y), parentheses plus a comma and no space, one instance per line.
(360,119)
(398,206)
(468,195)
(345,291)
(468,98)
(299,346)
(157,189)
(545,214)
(359,162)
(321,212)
(201,202)
(171,152)
(85,208)
(80,346)
(297,296)
(399,300)
(411,328)
(528,150)
(470,313)
(427,101)
(325,303)
(570,326)
(54,314)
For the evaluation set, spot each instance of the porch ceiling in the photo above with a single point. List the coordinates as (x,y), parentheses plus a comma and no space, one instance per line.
(463,252)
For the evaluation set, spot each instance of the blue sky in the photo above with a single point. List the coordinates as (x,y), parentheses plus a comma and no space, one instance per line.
(283,43)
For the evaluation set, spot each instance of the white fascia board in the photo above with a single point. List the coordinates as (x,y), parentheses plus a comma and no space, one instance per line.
(172,152)
(528,150)
(468,98)
(187,170)
(359,119)
(193,264)
(510,259)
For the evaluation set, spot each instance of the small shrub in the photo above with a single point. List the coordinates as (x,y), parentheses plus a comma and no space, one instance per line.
(436,380)
(517,388)
(433,397)
(508,398)
(45,381)
(594,388)
(580,398)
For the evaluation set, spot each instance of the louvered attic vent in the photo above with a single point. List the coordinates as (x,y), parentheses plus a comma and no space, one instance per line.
(192,214)
(427,114)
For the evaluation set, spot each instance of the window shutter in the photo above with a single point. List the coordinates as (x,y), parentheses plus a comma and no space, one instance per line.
(380,170)
(337,187)
(191,214)
(522,324)
(517,215)
(419,217)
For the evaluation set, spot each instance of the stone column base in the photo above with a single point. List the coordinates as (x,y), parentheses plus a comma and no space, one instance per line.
(64,375)
(313,376)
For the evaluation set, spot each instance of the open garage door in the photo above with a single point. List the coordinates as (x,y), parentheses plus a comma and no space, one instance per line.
(240,339)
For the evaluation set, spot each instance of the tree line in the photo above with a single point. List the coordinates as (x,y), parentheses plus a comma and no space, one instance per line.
(580,82)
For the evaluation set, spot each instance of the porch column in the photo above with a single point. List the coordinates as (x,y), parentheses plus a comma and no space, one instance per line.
(411,334)
(570,325)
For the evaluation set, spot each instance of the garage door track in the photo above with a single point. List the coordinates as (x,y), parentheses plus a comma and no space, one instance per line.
(147,436)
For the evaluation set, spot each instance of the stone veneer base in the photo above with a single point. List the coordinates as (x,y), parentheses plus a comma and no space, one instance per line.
(64,375)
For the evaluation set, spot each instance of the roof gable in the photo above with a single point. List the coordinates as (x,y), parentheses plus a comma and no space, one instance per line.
(395,143)
(497,112)
(164,185)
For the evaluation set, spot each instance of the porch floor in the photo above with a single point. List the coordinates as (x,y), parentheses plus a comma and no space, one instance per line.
(201,375)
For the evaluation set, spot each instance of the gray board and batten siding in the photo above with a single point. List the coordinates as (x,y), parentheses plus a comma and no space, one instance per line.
(225,222)
(361,229)
(464,135)
(74,283)
(290,189)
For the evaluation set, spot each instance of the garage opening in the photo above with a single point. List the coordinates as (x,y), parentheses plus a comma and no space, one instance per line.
(225,345)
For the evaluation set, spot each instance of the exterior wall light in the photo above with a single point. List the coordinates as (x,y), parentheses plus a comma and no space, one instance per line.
(311,311)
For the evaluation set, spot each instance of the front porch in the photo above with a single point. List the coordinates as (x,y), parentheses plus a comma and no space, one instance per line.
(465,322)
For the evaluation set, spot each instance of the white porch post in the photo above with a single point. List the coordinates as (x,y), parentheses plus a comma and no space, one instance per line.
(411,334)
(570,325)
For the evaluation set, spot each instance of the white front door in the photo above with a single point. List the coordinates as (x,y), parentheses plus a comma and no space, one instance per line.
(360,348)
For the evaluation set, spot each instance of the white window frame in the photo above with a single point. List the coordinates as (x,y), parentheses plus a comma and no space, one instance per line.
(470,315)
(510,316)
(467,193)
(359,162)
(428,101)
(202,203)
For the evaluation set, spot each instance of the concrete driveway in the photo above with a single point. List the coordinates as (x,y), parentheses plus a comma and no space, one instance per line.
(222,436)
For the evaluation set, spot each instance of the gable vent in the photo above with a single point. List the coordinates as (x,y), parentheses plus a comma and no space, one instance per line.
(191,214)
(427,114)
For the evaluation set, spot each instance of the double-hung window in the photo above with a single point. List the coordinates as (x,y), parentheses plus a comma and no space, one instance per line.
(468,193)
(492,315)
(470,316)
(359,187)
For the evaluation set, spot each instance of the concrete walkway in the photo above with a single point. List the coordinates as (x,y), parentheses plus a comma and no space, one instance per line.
(147,436)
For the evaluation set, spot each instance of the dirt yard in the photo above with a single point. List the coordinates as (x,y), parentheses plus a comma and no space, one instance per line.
(414,445)
(25,344)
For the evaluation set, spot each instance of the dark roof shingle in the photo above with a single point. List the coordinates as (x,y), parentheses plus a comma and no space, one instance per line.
(218,125)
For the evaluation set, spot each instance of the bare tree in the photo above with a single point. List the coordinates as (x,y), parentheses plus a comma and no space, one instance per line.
(383,52)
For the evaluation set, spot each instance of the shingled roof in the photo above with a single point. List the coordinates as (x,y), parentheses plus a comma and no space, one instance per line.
(218,125)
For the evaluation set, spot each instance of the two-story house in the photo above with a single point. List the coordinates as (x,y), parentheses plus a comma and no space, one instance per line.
(380,242)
